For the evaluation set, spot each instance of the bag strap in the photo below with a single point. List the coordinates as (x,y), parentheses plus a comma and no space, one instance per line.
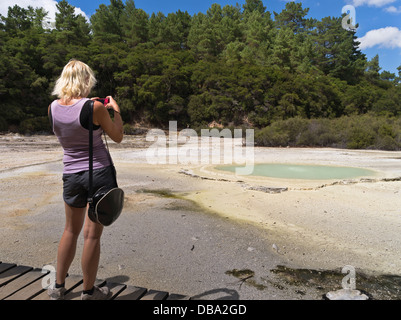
(110,159)
(90,125)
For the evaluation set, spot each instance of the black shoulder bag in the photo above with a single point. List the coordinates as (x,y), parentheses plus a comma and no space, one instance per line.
(105,204)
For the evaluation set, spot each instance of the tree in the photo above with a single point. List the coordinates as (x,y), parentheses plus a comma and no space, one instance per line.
(373,69)
(283,50)
(237,65)
(16,21)
(110,43)
(337,52)
(70,39)
(134,25)
(389,103)
(258,37)
(387,76)
(398,79)
(171,31)
(23,85)
(107,22)
(177,30)
(293,17)
(254,5)
(71,29)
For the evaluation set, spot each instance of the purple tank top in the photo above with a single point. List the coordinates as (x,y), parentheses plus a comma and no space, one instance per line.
(75,139)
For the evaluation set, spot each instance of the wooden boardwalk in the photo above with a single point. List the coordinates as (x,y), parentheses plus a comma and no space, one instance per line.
(25,283)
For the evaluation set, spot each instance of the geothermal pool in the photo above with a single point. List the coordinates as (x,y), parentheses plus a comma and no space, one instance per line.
(304,172)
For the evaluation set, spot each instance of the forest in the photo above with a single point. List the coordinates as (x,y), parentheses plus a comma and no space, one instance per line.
(296,80)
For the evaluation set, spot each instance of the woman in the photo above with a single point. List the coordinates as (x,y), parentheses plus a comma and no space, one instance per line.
(70,121)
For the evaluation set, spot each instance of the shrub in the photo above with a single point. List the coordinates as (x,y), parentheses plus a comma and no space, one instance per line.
(268,137)
(35,125)
(354,132)
(3,125)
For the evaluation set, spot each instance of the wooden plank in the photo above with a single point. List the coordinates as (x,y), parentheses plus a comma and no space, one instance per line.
(24,283)
(75,293)
(13,273)
(178,297)
(131,293)
(14,290)
(70,283)
(115,289)
(155,295)
(6,266)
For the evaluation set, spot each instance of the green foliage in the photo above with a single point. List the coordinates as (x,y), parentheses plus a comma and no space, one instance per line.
(301,78)
(3,125)
(35,125)
(355,132)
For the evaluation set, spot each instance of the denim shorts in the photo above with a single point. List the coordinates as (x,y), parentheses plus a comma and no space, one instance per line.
(76,185)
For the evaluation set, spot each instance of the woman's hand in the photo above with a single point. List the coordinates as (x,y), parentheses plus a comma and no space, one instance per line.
(114,129)
(113,104)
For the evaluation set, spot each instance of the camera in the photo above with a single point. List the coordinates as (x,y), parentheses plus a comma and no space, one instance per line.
(104,101)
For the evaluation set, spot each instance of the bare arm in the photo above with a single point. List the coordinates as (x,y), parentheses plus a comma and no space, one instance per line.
(114,129)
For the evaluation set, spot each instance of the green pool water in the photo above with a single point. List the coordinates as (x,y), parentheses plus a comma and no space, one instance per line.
(304,172)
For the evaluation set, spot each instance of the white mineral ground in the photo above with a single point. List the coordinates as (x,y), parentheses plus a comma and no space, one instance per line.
(321,225)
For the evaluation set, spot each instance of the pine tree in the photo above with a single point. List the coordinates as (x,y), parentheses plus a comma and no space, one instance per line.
(107,22)
(293,17)
(398,79)
(337,52)
(373,69)
(71,29)
(134,25)
(254,5)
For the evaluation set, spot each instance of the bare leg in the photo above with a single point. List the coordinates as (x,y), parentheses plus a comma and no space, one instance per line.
(91,253)
(66,251)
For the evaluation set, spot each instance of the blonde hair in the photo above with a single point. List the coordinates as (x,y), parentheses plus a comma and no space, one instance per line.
(76,80)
